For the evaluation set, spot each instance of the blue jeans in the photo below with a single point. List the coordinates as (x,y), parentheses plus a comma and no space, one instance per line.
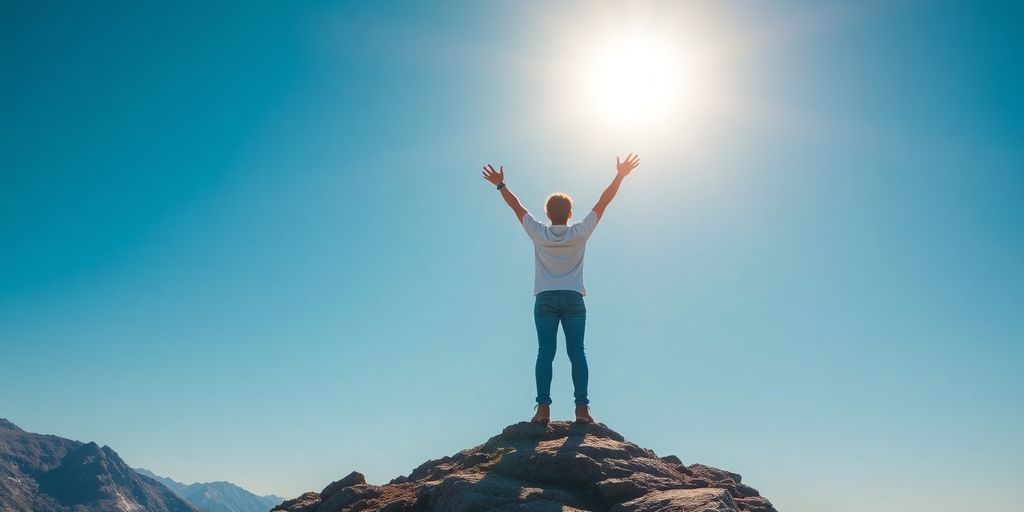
(551,307)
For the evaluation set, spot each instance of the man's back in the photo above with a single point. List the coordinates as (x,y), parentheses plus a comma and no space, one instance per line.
(558,284)
(558,253)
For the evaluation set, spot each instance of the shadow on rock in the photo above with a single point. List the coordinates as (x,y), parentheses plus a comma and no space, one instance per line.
(559,467)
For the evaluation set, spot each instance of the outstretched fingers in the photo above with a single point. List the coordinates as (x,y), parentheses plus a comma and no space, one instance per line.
(633,160)
(493,176)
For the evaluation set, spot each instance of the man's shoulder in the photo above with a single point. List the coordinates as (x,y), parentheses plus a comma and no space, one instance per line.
(528,219)
(589,220)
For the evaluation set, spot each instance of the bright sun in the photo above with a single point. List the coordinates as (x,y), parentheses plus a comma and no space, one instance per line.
(634,78)
(646,76)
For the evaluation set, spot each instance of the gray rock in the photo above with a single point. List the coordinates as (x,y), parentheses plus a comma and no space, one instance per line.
(347,497)
(478,492)
(681,500)
(307,502)
(619,490)
(672,459)
(353,478)
(564,467)
(714,474)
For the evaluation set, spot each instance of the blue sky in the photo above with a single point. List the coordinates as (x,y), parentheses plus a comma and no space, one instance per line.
(252,244)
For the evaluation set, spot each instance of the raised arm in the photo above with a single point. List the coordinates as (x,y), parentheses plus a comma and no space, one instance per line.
(497,178)
(622,169)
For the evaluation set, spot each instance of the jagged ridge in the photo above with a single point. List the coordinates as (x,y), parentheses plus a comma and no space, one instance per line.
(43,473)
(563,467)
(216,496)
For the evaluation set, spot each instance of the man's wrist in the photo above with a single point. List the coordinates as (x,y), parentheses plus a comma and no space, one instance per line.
(501,185)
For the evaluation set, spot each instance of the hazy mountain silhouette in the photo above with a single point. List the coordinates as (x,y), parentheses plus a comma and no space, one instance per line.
(44,473)
(217,496)
(564,467)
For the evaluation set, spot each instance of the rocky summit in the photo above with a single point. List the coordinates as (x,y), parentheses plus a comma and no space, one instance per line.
(563,466)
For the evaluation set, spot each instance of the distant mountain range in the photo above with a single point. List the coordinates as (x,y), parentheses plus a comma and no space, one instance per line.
(217,496)
(45,473)
(42,473)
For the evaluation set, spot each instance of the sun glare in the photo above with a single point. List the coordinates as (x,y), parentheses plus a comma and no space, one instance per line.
(634,78)
(652,77)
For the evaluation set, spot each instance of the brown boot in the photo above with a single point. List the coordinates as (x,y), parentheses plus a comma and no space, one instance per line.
(583,414)
(543,415)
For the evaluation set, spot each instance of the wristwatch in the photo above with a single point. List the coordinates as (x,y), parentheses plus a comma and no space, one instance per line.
(501,185)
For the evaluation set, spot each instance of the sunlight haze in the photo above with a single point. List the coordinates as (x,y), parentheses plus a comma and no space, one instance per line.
(251,242)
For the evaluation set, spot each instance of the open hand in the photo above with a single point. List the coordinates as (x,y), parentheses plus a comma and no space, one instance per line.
(495,177)
(627,166)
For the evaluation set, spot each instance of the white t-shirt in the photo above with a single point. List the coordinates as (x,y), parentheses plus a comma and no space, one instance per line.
(558,253)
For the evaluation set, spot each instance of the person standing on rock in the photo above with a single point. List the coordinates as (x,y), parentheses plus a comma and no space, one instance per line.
(558,282)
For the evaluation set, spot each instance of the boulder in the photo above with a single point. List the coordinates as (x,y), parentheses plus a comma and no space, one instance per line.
(681,500)
(353,478)
(564,467)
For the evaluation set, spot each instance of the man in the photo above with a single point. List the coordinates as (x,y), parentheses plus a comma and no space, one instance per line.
(558,282)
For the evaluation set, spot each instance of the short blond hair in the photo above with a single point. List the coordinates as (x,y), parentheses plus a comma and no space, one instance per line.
(558,207)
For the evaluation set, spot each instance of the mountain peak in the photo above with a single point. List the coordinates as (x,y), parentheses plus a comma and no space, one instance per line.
(52,474)
(217,496)
(563,466)
(7,425)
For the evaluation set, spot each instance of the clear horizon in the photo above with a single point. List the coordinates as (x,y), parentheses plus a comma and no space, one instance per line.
(253,245)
